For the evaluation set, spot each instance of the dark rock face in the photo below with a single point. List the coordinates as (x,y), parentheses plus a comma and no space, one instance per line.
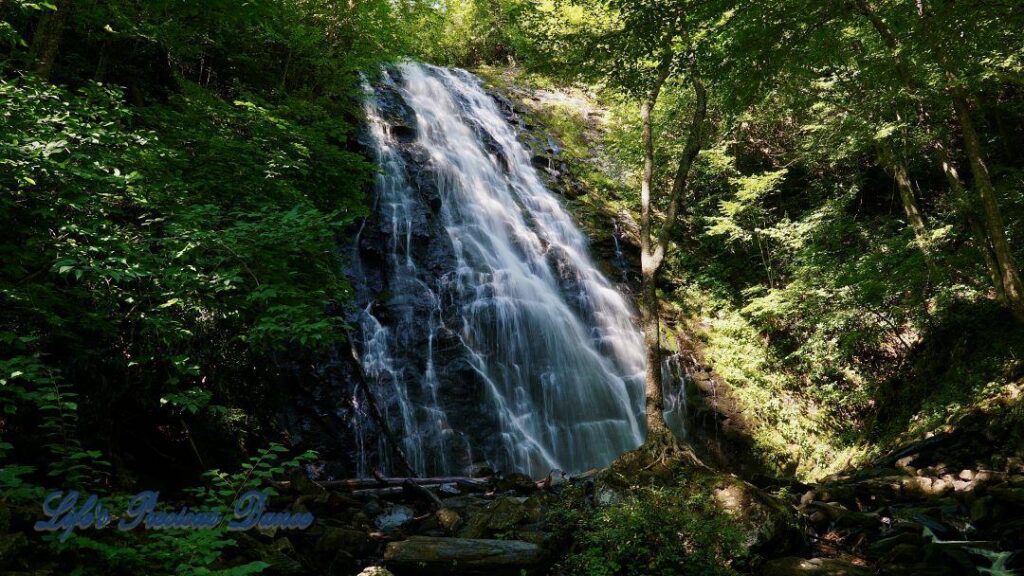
(415,303)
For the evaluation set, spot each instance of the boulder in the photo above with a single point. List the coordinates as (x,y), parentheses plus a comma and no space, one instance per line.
(769,523)
(478,470)
(885,545)
(902,554)
(449,519)
(462,556)
(393,516)
(516,482)
(502,515)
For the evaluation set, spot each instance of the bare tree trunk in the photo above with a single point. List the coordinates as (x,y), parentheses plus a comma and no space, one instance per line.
(987,253)
(102,62)
(993,219)
(46,40)
(654,397)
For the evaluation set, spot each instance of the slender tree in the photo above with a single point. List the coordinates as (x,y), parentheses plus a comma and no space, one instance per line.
(654,239)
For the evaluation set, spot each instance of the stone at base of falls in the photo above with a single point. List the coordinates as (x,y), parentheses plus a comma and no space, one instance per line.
(768,522)
(793,566)
(424,554)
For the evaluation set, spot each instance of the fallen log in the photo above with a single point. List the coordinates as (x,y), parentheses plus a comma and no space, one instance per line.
(407,489)
(431,555)
(357,483)
(367,484)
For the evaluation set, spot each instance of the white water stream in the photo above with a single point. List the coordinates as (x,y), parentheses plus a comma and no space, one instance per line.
(552,342)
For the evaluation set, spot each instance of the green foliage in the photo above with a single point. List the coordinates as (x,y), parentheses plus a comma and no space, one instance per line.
(256,474)
(651,532)
(182,236)
(183,552)
(169,213)
(179,553)
(473,32)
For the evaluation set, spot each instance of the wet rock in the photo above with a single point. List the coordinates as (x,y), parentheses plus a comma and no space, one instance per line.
(840,516)
(501,516)
(902,554)
(404,132)
(850,519)
(516,482)
(930,519)
(808,497)
(793,566)
(450,489)
(393,516)
(478,470)
(949,559)
(462,556)
(1009,494)
(282,556)
(449,519)
(373,508)
(982,510)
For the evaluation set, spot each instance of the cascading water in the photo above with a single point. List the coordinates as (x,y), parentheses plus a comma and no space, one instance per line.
(488,334)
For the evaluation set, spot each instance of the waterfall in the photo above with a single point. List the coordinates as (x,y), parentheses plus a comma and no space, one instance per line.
(487,332)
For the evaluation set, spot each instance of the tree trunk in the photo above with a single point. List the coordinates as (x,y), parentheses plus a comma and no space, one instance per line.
(653,246)
(46,40)
(974,221)
(987,253)
(654,398)
(907,197)
(993,219)
(910,204)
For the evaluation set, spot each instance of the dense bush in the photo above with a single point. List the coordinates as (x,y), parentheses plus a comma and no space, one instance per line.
(652,531)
